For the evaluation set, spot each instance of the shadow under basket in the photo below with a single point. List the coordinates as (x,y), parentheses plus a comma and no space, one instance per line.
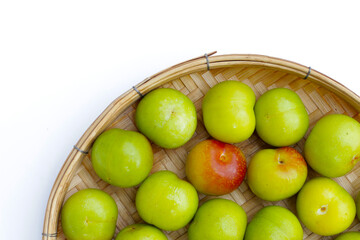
(320,94)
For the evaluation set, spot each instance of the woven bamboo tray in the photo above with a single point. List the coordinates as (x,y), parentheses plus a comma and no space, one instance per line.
(320,94)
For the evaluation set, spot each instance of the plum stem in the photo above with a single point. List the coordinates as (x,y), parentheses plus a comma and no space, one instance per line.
(322,210)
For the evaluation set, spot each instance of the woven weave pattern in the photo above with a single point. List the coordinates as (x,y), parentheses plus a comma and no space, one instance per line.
(317,100)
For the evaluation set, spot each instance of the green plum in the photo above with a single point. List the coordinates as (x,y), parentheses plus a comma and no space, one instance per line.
(166,201)
(333,146)
(349,236)
(228,112)
(89,214)
(218,219)
(281,117)
(141,232)
(274,223)
(122,158)
(276,174)
(167,117)
(325,207)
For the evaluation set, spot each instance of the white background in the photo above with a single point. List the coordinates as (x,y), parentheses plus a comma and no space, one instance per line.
(63,62)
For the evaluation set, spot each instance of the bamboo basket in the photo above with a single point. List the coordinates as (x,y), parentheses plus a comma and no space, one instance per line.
(320,94)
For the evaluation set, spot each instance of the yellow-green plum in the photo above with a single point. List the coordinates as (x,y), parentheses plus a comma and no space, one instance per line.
(167,117)
(89,214)
(274,223)
(218,219)
(276,174)
(166,201)
(228,111)
(122,158)
(349,236)
(281,117)
(325,207)
(141,232)
(333,146)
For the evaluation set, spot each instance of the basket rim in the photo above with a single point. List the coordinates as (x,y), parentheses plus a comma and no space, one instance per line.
(201,63)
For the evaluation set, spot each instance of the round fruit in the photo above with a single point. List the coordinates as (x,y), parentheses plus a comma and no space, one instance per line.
(349,236)
(89,214)
(166,201)
(141,232)
(122,158)
(276,174)
(281,117)
(228,111)
(167,117)
(274,223)
(333,146)
(218,219)
(325,207)
(215,168)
